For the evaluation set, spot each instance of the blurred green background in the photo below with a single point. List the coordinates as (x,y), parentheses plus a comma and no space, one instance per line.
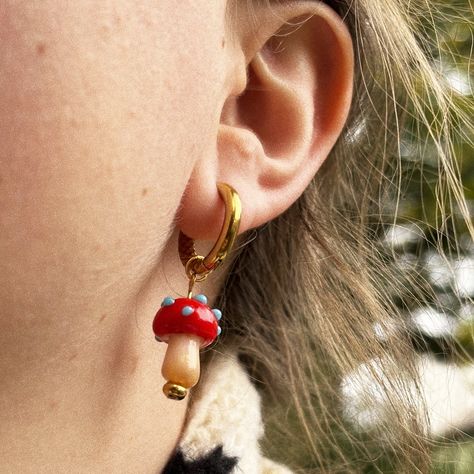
(442,329)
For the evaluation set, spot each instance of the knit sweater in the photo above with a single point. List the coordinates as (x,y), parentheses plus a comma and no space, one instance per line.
(223,425)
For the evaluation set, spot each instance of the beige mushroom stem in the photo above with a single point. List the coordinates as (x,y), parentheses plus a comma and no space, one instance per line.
(181,364)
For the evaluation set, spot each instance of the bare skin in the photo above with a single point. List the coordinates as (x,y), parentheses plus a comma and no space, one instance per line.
(117,121)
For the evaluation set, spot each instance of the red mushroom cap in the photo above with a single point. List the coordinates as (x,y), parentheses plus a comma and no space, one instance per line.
(201,321)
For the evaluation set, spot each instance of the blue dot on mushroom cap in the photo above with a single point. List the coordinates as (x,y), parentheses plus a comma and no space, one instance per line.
(168,301)
(217,313)
(201,298)
(187,310)
(219,330)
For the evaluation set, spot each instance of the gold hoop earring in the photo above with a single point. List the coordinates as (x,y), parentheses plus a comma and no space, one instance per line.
(188,325)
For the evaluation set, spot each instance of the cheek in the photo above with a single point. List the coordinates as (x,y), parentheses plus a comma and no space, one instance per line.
(102,122)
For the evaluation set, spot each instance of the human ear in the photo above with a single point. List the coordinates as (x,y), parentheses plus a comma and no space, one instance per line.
(274,136)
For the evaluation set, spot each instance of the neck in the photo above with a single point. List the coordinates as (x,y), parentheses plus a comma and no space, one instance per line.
(81,385)
(93,403)
(81,376)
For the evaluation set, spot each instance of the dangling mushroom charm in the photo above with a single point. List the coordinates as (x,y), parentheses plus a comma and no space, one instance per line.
(189,324)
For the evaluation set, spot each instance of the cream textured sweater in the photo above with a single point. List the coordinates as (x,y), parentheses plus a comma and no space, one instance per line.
(223,425)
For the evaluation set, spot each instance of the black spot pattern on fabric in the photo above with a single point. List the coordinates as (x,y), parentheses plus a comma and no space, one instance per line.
(215,462)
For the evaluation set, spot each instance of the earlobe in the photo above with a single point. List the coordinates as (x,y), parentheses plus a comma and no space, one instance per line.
(273,138)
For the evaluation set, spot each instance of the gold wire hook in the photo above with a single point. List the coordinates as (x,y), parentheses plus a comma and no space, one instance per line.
(192,280)
(197,267)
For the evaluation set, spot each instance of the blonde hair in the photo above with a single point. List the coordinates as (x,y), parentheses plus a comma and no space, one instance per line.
(307,289)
